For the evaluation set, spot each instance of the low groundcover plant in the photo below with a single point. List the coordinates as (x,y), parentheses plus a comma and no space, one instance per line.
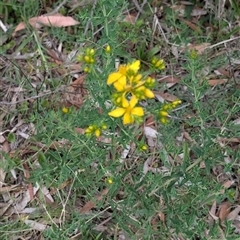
(129,87)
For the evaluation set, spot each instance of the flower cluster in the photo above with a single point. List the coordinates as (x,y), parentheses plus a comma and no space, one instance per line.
(166,108)
(130,87)
(129,84)
(88,58)
(158,64)
(95,130)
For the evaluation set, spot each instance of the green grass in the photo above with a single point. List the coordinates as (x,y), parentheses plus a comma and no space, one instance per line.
(168,198)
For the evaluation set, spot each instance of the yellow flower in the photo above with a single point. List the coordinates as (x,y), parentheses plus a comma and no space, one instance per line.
(87,69)
(143,147)
(109,180)
(87,56)
(193,54)
(128,111)
(143,93)
(65,110)
(138,88)
(176,102)
(108,49)
(158,63)
(163,113)
(164,116)
(95,130)
(123,72)
(149,82)
(164,120)
(90,51)
(117,98)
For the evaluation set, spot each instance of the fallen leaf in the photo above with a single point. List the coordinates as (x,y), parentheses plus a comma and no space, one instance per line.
(212,213)
(35,225)
(76,93)
(196,11)
(9,188)
(55,20)
(225,73)
(191,25)
(236,121)
(200,48)
(161,96)
(215,82)
(5,207)
(224,210)
(24,200)
(130,18)
(228,183)
(79,130)
(2,139)
(90,204)
(170,80)
(150,132)
(233,214)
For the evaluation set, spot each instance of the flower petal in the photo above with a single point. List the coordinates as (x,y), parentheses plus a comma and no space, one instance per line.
(138,111)
(134,66)
(125,102)
(133,101)
(128,118)
(120,85)
(122,69)
(118,112)
(148,93)
(113,77)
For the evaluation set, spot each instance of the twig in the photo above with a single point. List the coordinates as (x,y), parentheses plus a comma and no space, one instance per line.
(4,28)
(225,41)
(57,8)
(157,24)
(31,98)
(87,25)
(138,7)
(144,2)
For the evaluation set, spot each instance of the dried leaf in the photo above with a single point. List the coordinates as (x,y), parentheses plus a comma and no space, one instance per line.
(90,204)
(191,25)
(2,139)
(225,73)
(200,48)
(164,96)
(224,210)
(228,183)
(79,130)
(180,10)
(5,207)
(25,199)
(75,93)
(47,195)
(215,82)
(233,214)
(169,79)
(35,225)
(130,18)
(54,20)
(125,152)
(150,132)
(212,213)
(9,188)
